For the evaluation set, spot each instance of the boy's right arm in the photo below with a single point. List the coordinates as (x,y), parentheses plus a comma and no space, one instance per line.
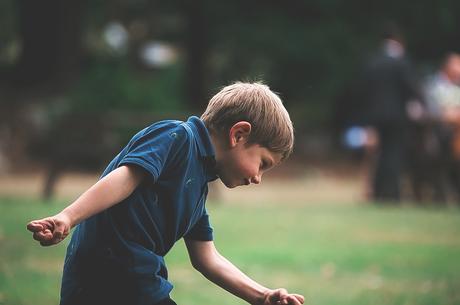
(108,191)
(206,259)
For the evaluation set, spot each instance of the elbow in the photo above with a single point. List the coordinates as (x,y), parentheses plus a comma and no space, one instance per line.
(206,265)
(199,265)
(204,257)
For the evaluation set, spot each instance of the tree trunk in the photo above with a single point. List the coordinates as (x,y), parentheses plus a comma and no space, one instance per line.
(196,46)
(50,32)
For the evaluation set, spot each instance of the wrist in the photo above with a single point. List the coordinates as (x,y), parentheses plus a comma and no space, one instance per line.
(263,296)
(67,217)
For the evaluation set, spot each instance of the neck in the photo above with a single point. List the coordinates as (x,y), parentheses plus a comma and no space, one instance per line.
(218,146)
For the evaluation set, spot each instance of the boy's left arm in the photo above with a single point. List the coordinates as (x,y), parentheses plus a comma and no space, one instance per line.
(206,259)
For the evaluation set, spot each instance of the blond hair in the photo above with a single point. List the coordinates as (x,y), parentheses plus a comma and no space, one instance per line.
(257,104)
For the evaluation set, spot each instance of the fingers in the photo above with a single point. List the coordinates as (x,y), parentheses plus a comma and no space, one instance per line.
(278,295)
(34,226)
(60,233)
(44,235)
(43,231)
(40,225)
(49,231)
(47,238)
(294,300)
(299,297)
(40,229)
(282,297)
(291,300)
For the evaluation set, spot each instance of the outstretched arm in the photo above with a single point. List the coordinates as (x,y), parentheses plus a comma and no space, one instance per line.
(107,192)
(206,259)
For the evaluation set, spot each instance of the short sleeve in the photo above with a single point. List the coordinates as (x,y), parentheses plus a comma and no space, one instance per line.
(153,147)
(202,230)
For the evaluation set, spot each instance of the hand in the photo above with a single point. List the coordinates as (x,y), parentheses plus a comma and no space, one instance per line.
(282,297)
(51,230)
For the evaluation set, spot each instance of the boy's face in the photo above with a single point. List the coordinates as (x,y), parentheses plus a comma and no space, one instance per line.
(242,163)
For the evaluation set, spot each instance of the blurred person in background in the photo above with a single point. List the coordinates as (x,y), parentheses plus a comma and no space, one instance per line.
(442,92)
(392,100)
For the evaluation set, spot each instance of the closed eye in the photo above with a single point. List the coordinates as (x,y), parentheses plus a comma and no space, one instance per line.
(264,165)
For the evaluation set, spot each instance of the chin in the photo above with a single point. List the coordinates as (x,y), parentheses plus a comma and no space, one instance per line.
(228,184)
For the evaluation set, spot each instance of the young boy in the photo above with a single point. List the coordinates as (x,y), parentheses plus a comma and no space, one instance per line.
(153,193)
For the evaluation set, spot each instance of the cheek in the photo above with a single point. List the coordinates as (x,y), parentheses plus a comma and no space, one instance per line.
(247,168)
(231,168)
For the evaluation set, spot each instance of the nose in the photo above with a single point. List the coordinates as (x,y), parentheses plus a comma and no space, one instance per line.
(256,179)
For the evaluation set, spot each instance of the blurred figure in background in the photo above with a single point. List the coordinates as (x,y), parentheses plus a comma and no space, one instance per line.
(392,99)
(443,109)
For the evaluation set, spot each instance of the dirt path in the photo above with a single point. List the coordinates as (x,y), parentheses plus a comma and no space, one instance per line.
(290,183)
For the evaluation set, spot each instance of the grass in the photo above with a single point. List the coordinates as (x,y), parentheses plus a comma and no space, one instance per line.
(333,254)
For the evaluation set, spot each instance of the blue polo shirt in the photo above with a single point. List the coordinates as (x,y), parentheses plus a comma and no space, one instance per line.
(123,246)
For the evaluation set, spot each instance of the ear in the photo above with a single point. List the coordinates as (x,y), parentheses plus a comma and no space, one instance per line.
(239,133)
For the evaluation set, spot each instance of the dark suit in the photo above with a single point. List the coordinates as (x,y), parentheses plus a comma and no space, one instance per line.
(388,85)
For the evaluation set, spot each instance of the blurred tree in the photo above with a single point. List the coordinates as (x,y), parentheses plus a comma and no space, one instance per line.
(50,32)
(307,50)
(197,48)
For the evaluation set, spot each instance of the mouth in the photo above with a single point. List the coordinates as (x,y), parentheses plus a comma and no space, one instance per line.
(243,182)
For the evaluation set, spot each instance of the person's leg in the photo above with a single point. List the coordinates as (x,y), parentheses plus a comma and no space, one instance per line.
(454,178)
(390,163)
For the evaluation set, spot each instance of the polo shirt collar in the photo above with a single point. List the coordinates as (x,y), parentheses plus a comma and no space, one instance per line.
(205,147)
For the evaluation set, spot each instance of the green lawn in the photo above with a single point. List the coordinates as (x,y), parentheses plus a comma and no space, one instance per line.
(333,254)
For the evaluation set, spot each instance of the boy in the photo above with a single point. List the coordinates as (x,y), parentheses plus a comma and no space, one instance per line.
(153,193)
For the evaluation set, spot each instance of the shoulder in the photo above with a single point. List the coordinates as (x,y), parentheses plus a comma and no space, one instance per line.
(193,131)
(165,131)
(162,127)
(175,136)
(161,139)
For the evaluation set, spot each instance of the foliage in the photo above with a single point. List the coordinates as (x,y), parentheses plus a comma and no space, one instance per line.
(8,32)
(306,50)
(310,50)
(112,85)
